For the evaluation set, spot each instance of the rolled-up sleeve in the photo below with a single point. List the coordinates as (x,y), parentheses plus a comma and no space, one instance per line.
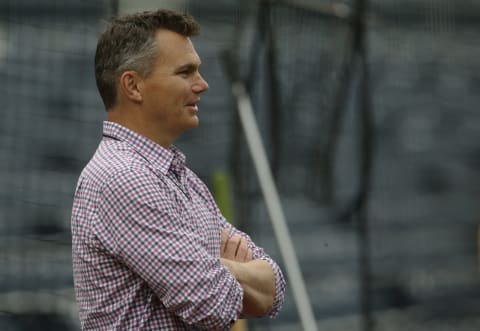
(258,252)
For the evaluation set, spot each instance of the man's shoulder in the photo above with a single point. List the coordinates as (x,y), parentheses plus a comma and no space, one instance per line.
(111,160)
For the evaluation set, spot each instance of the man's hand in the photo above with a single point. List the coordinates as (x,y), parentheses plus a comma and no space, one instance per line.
(234,248)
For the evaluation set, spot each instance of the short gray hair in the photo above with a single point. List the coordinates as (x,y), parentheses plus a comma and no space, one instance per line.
(128,43)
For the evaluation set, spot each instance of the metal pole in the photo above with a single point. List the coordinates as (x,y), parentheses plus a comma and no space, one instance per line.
(365,108)
(274,207)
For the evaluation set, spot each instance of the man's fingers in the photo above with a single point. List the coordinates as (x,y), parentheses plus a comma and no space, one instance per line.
(242,250)
(249,256)
(234,248)
(223,240)
(231,247)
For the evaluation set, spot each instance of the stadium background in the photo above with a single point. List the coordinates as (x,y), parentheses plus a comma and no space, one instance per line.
(410,263)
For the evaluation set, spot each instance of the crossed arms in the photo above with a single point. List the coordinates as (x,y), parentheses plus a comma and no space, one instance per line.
(196,276)
(256,277)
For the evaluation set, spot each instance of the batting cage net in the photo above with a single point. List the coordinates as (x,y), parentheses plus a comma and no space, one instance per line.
(369,115)
(49,129)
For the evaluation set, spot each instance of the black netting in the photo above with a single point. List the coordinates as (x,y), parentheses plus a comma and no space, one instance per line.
(51,121)
(417,193)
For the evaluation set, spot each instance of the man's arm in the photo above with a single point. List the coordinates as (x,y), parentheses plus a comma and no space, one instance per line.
(255,252)
(156,243)
(256,277)
(258,282)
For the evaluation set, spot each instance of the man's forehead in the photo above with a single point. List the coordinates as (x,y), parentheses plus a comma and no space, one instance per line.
(176,47)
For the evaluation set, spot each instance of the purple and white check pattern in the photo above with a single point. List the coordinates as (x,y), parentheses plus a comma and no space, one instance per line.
(145,242)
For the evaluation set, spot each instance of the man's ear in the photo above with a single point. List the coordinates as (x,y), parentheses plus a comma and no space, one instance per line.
(129,86)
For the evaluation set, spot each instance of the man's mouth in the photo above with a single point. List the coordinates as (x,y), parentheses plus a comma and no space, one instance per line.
(193,104)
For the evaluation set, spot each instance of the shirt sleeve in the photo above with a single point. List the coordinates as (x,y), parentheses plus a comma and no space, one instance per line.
(152,238)
(258,252)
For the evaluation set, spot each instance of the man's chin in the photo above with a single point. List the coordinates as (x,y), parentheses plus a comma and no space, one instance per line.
(192,123)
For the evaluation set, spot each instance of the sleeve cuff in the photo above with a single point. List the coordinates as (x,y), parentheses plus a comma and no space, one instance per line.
(280,286)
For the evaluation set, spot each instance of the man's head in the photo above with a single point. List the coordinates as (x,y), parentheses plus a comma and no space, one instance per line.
(129,43)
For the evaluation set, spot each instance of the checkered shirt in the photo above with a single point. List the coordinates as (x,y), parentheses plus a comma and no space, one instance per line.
(145,242)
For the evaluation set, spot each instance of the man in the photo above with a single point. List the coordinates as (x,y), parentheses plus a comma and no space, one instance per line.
(151,250)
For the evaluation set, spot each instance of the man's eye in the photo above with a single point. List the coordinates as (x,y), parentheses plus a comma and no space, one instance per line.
(184,73)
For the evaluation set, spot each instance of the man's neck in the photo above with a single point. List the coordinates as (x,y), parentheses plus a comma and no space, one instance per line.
(138,125)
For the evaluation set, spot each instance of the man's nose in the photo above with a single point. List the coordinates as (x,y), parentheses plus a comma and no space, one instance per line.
(200,85)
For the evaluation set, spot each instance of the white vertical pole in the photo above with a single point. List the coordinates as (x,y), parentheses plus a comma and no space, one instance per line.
(274,207)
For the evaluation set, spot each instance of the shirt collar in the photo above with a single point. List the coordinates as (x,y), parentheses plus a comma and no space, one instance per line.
(161,158)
